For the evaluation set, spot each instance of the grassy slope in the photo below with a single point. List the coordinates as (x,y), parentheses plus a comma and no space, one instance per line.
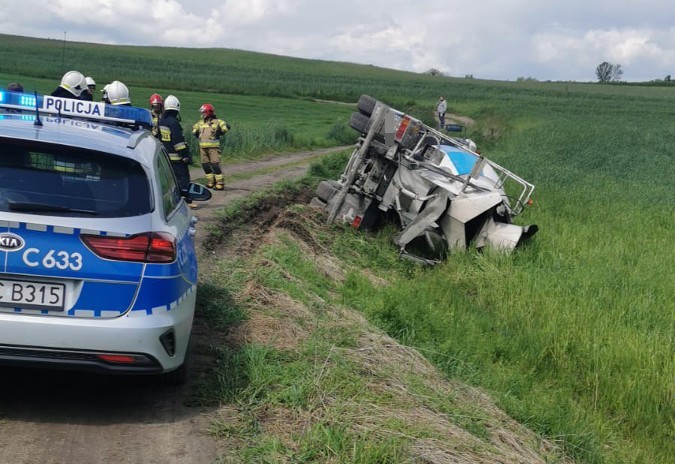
(572,333)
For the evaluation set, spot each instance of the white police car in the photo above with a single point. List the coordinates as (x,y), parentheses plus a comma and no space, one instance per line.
(97,260)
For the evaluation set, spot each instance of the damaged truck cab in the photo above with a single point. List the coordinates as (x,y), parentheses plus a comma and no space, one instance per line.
(443,194)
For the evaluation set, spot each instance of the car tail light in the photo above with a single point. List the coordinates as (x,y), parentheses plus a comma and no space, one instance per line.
(149,247)
(115,358)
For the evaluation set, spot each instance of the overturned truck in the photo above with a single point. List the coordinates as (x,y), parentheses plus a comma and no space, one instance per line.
(444,195)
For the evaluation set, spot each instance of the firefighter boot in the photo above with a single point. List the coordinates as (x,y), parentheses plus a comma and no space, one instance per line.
(210,180)
(220,182)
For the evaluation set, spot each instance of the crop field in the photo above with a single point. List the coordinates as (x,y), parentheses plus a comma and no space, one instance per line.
(572,334)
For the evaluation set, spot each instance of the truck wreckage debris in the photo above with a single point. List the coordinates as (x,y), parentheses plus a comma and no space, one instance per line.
(444,195)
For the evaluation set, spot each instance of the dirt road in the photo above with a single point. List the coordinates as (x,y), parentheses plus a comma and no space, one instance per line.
(54,417)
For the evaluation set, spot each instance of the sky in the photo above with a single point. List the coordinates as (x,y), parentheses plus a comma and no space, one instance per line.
(487,39)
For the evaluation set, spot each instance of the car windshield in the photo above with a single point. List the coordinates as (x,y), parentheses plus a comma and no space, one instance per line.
(54,180)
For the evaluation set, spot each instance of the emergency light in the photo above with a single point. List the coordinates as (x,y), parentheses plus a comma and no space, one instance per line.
(76,108)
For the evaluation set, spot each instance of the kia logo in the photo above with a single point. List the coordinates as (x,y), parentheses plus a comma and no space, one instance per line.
(11,242)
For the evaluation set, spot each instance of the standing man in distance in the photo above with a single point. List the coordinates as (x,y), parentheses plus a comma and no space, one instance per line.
(441,108)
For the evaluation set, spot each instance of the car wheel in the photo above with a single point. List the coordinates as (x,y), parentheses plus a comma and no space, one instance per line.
(366,105)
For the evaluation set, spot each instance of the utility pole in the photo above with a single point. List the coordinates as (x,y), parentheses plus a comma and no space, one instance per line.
(63,55)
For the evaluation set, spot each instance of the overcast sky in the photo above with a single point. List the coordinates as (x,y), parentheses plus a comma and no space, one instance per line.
(488,39)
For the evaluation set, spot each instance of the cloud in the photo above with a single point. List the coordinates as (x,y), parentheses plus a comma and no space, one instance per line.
(487,38)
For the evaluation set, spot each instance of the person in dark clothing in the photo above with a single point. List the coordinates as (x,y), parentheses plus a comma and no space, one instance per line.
(15,87)
(171,135)
(72,85)
(88,93)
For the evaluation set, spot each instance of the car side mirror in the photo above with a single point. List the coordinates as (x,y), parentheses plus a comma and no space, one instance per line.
(197,192)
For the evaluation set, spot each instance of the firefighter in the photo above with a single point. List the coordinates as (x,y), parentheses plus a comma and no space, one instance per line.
(156,109)
(208,131)
(171,135)
(72,85)
(88,93)
(104,94)
(118,94)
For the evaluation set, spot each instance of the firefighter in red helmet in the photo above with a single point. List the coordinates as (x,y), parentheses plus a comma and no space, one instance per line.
(209,130)
(156,109)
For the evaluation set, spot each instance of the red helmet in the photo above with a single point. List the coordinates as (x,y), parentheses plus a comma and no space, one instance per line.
(207,110)
(156,99)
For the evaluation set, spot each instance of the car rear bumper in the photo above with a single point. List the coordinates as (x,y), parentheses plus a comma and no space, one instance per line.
(148,344)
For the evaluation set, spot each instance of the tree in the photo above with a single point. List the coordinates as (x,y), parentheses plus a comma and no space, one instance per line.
(608,72)
(434,72)
(667,79)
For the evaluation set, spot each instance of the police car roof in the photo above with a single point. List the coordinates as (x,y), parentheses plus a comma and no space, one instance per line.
(90,135)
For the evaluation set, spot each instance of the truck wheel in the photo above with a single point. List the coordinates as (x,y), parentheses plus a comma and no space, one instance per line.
(366,105)
(359,122)
(326,190)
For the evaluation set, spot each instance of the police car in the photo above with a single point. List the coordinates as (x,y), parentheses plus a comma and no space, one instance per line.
(97,261)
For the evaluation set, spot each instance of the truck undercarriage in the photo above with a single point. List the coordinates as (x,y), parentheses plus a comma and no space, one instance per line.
(444,195)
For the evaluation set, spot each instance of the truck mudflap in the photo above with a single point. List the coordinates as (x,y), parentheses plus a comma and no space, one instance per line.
(445,195)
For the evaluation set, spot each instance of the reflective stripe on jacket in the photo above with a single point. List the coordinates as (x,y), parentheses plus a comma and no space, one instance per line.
(171,135)
(208,132)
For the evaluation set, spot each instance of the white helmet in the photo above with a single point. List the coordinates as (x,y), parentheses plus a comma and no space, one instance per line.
(90,81)
(118,93)
(74,82)
(171,103)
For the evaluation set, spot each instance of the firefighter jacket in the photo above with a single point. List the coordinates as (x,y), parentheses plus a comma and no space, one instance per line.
(63,93)
(155,123)
(171,135)
(86,96)
(208,131)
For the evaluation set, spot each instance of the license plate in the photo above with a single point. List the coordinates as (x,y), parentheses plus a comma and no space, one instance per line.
(32,295)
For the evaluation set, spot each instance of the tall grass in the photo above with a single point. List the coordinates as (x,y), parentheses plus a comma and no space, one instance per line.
(573,332)
(247,73)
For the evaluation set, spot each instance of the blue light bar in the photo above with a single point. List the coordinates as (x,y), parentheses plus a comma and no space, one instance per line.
(76,108)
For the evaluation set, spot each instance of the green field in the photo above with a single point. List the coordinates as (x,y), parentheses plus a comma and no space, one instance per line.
(573,333)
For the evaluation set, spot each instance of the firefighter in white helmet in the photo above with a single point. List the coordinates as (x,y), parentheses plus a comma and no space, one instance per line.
(72,85)
(171,135)
(104,93)
(88,93)
(208,131)
(118,94)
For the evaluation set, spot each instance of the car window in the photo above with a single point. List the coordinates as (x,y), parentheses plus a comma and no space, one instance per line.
(40,178)
(170,192)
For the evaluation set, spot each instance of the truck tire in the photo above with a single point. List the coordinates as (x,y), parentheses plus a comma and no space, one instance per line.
(366,105)
(359,122)
(326,190)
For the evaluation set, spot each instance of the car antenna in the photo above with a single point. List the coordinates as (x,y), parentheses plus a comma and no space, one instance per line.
(37,122)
